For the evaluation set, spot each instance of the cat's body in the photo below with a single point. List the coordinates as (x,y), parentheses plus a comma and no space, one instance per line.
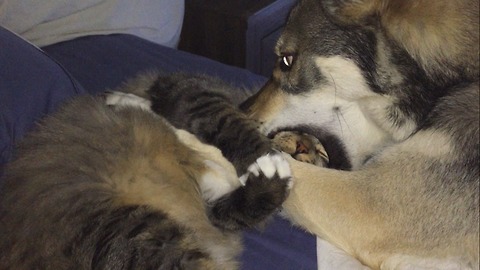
(118,187)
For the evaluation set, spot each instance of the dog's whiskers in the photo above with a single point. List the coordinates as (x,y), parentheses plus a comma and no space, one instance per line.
(336,109)
(339,112)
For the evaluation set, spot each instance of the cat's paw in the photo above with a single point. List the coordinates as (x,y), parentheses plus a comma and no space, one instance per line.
(302,147)
(270,165)
(266,187)
(126,99)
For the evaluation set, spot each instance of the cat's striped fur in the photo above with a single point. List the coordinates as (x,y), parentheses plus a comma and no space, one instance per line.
(118,187)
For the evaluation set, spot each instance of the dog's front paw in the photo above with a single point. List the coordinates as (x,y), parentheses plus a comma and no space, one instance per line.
(121,99)
(302,147)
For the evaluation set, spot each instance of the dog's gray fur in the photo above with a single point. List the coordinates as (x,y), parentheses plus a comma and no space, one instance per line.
(391,90)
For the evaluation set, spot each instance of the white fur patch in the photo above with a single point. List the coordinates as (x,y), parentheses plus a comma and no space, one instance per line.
(345,77)
(126,99)
(217,181)
(376,108)
(270,165)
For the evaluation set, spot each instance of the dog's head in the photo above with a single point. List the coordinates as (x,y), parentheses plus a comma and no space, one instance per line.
(360,74)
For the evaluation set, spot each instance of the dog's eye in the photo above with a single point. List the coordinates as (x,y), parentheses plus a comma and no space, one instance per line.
(286,62)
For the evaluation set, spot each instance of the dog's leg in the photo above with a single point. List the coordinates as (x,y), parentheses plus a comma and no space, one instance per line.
(391,213)
(373,215)
(333,205)
(333,189)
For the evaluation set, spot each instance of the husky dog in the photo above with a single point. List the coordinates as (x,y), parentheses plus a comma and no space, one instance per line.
(116,186)
(390,88)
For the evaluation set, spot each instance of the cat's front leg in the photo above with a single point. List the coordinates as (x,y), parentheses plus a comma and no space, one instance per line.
(265,188)
(198,105)
(302,147)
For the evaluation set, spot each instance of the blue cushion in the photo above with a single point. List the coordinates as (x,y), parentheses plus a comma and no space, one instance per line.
(31,85)
(104,61)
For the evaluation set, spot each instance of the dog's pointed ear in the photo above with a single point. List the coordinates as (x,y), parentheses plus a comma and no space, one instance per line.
(352,11)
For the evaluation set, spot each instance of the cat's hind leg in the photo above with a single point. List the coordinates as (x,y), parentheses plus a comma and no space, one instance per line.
(220,177)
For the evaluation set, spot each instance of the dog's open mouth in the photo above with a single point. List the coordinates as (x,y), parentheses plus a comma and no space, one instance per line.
(311,145)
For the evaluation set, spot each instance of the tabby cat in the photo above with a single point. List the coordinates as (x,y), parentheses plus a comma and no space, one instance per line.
(105,183)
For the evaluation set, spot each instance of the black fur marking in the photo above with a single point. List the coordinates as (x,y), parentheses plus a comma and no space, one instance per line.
(223,120)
